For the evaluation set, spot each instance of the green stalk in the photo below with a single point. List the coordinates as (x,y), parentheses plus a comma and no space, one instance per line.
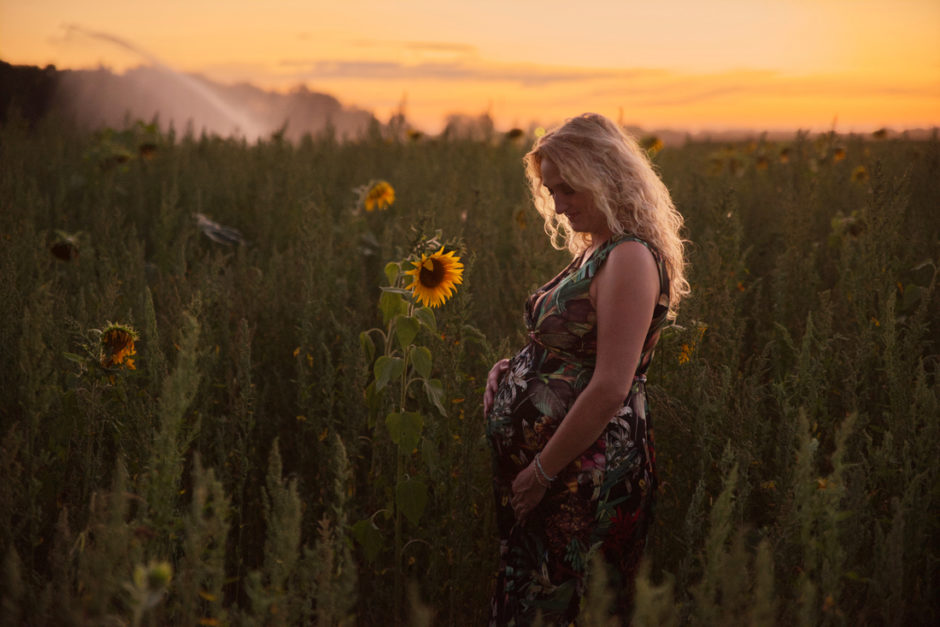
(399,471)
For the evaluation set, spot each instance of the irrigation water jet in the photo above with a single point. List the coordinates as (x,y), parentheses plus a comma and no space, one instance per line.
(239,122)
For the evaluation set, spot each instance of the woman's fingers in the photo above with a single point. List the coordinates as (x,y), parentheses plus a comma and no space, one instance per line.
(492,383)
(527,492)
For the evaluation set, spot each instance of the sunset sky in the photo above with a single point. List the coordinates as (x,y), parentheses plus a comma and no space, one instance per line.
(681,64)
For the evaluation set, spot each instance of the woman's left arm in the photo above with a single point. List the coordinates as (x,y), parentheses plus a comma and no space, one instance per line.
(626,290)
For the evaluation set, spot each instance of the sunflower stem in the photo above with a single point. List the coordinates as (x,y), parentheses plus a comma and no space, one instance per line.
(399,473)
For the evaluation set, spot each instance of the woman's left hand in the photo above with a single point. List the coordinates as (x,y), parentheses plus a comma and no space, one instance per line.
(527,492)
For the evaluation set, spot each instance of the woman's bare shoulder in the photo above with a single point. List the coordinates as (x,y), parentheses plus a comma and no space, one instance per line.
(632,258)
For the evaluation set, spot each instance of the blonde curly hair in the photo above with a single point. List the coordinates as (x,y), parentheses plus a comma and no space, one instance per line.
(594,154)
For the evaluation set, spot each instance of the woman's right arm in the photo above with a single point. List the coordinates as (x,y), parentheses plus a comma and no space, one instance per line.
(492,383)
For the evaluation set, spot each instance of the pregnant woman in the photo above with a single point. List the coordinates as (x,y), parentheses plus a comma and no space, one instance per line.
(567,415)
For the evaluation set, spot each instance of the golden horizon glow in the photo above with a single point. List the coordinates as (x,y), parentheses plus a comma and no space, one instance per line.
(678,64)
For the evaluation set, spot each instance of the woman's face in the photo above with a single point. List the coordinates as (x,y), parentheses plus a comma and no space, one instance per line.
(576,205)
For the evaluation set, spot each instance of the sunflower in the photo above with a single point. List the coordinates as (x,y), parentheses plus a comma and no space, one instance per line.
(380,196)
(434,277)
(65,249)
(117,346)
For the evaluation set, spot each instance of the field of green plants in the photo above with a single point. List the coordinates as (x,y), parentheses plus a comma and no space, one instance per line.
(284,443)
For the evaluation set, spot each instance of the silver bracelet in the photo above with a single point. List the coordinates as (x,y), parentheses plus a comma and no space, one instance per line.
(541,471)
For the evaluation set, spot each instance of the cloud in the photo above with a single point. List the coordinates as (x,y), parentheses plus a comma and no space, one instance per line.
(439,46)
(529,75)
(683,90)
(420,46)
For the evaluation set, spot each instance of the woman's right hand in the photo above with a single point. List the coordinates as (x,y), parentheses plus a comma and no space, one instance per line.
(492,383)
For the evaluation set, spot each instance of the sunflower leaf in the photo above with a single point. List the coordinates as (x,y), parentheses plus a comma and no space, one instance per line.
(391,304)
(73,357)
(392,270)
(411,497)
(406,328)
(425,316)
(386,369)
(435,391)
(421,358)
(368,346)
(367,534)
(395,290)
(405,429)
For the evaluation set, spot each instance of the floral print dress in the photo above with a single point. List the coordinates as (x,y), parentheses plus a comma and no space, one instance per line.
(602,501)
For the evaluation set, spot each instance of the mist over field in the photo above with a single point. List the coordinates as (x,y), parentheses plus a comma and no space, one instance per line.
(100,98)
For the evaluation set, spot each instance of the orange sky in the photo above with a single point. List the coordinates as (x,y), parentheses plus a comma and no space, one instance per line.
(684,64)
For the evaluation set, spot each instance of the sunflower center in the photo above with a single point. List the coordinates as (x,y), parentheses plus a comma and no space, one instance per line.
(433,276)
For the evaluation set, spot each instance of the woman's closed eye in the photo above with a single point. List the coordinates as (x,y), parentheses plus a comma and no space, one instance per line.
(564,189)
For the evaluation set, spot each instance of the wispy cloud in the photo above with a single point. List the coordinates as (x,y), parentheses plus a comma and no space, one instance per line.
(440,46)
(684,90)
(529,75)
(421,46)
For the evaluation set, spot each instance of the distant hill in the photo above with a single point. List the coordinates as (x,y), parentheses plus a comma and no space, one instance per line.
(96,98)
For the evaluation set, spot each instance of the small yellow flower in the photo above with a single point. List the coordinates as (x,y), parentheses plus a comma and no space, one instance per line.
(685,356)
(838,155)
(860,175)
(652,144)
(434,277)
(785,155)
(380,196)
(205,594)
(117,346)
(762,163)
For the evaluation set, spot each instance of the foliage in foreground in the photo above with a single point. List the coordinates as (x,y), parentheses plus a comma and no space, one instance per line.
(237,474)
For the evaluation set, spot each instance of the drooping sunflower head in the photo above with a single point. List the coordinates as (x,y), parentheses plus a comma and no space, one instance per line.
(117,346)
(379,196)
(434,277)
(65,246)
